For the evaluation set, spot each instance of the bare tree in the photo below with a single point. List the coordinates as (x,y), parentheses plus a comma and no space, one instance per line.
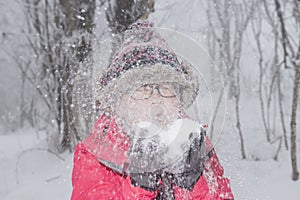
(227,23)
(59,35)
(79,16)
(291,54)
(269,75)
(286,57)
(256,28)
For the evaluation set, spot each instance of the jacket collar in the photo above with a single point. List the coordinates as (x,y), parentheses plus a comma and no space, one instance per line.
(109,144)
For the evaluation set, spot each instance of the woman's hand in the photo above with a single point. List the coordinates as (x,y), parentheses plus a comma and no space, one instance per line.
(187,172)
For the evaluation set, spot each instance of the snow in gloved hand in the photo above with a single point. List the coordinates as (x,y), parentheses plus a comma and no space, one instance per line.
(157,147)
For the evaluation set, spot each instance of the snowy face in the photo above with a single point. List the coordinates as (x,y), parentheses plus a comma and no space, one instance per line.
(154,103)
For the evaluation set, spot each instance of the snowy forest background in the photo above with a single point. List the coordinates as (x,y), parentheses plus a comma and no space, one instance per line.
(46,67)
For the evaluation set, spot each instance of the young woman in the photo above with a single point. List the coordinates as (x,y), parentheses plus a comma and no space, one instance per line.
(144,145)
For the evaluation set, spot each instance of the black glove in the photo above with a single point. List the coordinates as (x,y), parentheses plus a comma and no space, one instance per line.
(193,164)
(144,168)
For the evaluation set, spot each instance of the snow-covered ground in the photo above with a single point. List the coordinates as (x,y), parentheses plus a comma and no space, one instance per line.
(259,177)
(252,179)
(29,172)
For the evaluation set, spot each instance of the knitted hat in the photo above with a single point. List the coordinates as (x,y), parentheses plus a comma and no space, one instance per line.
(144,58)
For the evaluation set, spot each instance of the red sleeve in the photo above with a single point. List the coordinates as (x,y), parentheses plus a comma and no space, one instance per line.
(218,185)
(90,179)
(212,185)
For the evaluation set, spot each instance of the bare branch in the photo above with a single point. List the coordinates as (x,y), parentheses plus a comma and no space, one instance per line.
(284,40)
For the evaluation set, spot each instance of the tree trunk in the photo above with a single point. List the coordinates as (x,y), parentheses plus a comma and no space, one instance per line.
(122,13)
(295,175)
(261,75)
(280,100)
(78,17)
(237,109)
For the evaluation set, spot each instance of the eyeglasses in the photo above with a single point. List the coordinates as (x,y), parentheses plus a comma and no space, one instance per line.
(146,91)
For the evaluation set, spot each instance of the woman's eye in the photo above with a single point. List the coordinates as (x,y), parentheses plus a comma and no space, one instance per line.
(143,89)
(165,88)
(146,88)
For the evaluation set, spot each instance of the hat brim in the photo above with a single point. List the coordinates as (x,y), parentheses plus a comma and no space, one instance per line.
(158,73)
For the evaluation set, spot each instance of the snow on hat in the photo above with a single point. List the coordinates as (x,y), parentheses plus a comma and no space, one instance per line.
(144,58)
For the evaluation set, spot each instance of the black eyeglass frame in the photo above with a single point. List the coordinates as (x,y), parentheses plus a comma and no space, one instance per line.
(154,86)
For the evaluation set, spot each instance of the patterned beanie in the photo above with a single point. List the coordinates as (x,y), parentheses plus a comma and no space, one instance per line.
(144,58)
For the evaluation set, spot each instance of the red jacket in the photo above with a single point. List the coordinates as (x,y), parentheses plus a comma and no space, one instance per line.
(93,180)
